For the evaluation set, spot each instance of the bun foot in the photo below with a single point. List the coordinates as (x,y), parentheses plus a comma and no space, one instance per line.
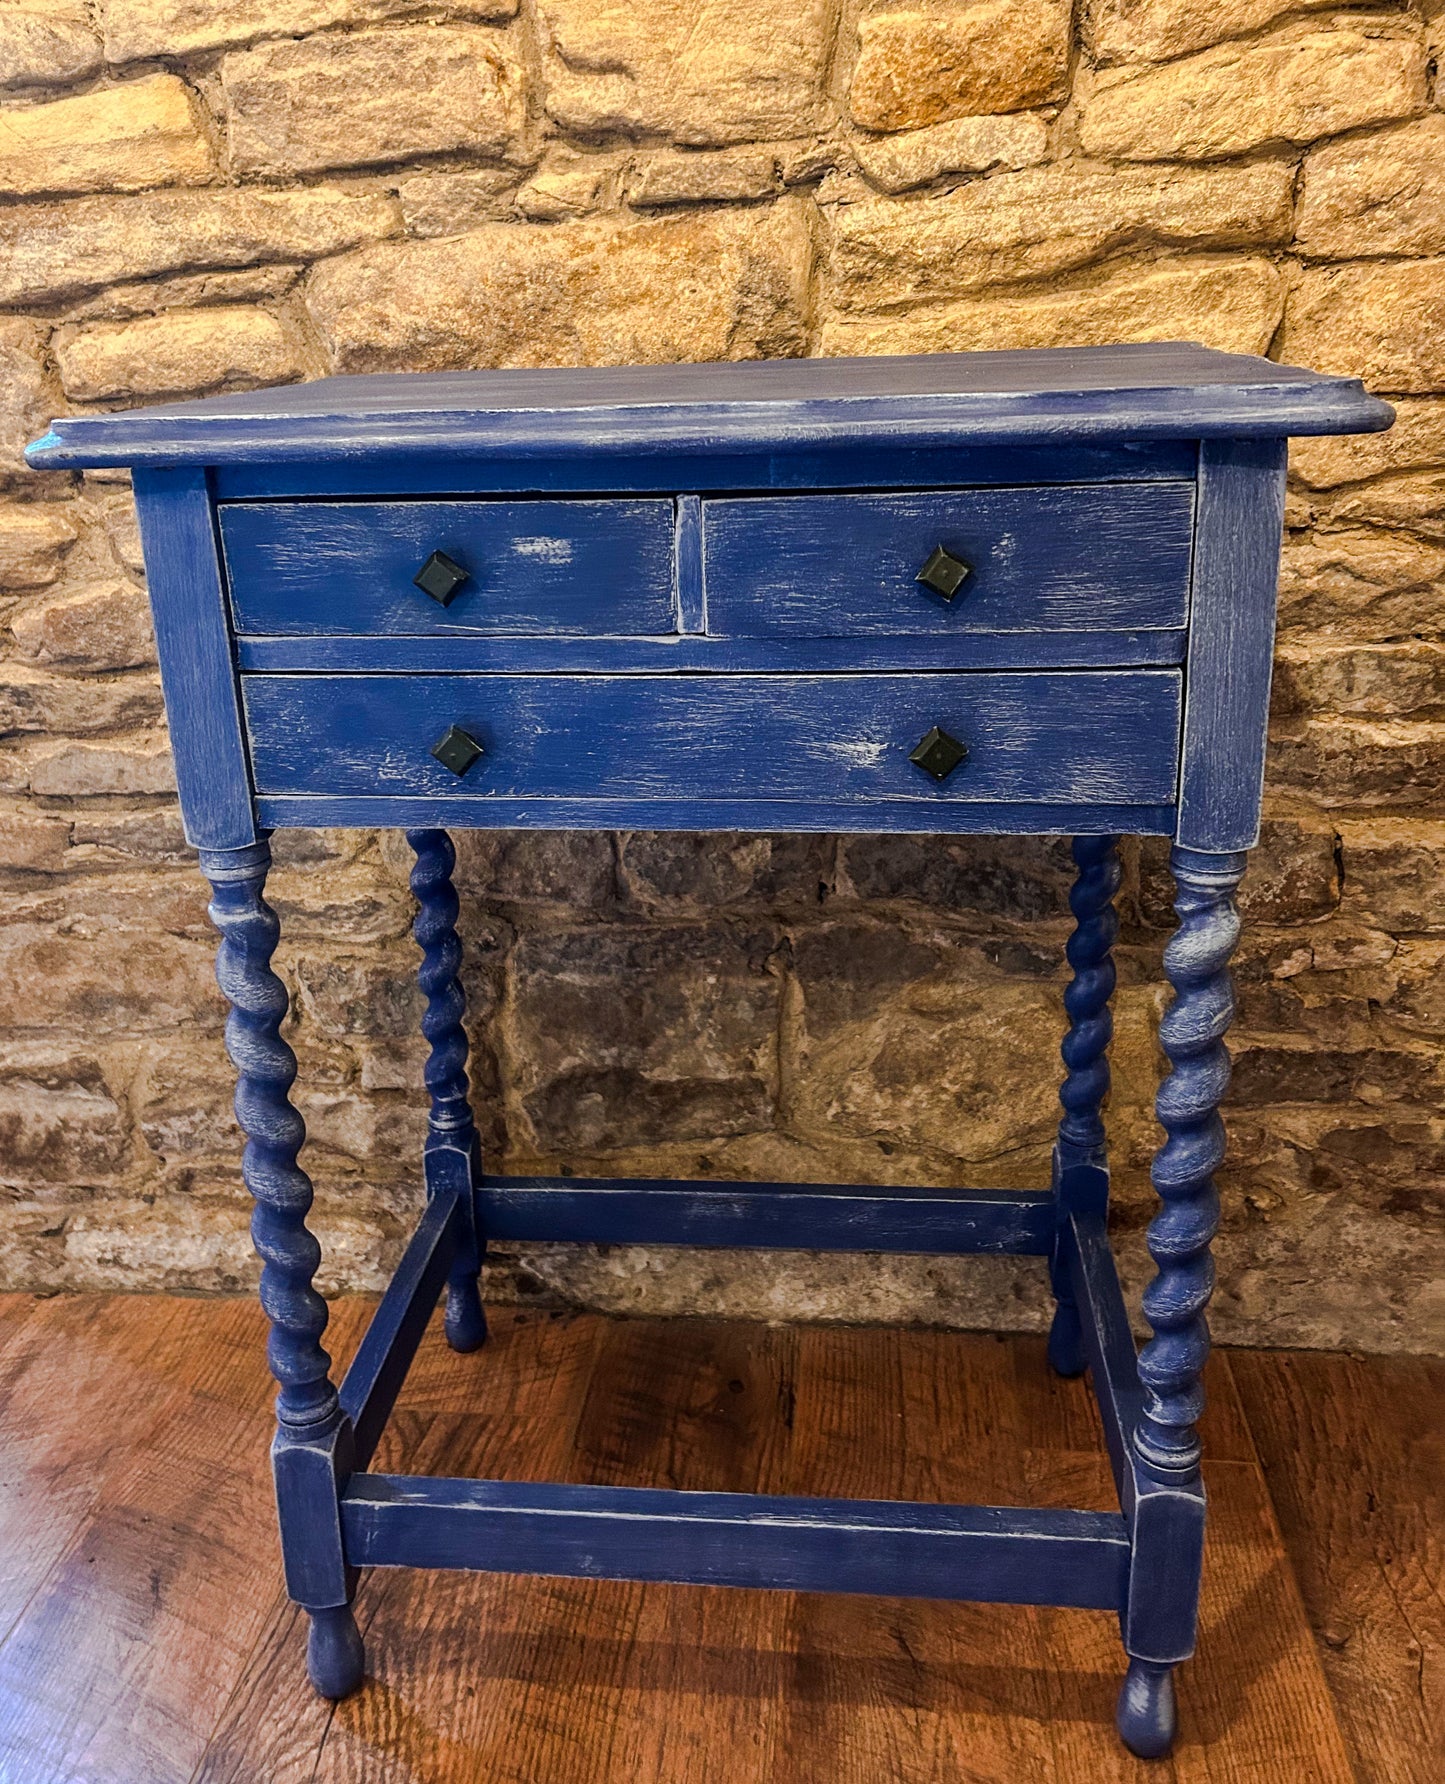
(466,1324)
(1066,1341)
(1146,1717)
(335,1659)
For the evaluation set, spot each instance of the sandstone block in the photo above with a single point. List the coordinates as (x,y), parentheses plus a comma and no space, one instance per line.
(637,1035)
(116,512)
(1015,879)
(379,96)
(679,870)
(573,868)
(182,1098)
(367,994)
(1043,221)
(108,906)
(921,1041)
(99,626)
(707,72)
(693,176)
(1294,878)
(222,347)
(1415,442)
(452,202)
(88,768)
(1353,763)
(1379,679)
(568,185)
(1395,872)
(33,700)
(33,542)
(1233,303)
(1294,875)
(122,839)
(58,1121)
(149,297)
(727,285)
(1265,1075)
(1381,321)
(118,139)
(1378,194)
(1417,996)
(52,252)
(32,842)
(1293,86)
(963,145)
(47,44)
(351,904)
(1416,503)
(1360,582)
(920,64)
(127,981)
(135,29)
(24,394)
(1156,30)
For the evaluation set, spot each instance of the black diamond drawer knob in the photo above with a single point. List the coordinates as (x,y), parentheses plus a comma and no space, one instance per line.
(943,573)
(939,754)
(457,749)
(440,577)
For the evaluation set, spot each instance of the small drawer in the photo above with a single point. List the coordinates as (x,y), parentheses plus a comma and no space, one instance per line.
(1107,737)
(1109,556)
(571,569)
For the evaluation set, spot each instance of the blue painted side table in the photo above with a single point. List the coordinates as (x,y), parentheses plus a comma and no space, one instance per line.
(1008,592)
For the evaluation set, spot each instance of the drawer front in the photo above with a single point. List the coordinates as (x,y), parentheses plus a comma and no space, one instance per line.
(1114,556)
(1095,736)
(572,569)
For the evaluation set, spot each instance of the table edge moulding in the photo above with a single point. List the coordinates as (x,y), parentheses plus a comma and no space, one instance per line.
(683,597)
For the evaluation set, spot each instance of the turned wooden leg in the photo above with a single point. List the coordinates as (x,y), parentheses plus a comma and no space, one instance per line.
(1171,1364)
(1081,1157)
(311,1455)
(452,1152)
(1196,963)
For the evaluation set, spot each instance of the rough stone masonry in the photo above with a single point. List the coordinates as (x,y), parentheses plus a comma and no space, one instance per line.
(203,195)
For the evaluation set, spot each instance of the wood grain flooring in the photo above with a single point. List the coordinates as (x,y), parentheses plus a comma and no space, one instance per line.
(144,1639)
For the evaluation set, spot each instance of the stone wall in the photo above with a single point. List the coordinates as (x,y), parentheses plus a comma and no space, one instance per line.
(202,195)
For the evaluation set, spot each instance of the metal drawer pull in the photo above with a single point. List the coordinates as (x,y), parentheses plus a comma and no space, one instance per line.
(943,573)
(939,754)
(440,577)
(457,749)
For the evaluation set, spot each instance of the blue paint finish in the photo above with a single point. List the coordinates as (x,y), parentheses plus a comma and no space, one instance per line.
(452,1154)
(675,655)
(1231,642)
(311,1456)
(855,467)
(692,606)
(994,1554)
(810,1216)
(879,816)
(1167,390)
(1081,1153)
(691,595)
(1107,1342)
(1049,738)
(1112,558)
(569,569)
(1192,1031)
(198,672)
(377,1371)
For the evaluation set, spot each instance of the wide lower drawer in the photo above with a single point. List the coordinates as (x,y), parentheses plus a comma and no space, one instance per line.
(1108,556)
(573,568)
(1100,737)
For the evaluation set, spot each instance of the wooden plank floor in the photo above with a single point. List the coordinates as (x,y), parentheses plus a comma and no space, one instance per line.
(143,1638)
